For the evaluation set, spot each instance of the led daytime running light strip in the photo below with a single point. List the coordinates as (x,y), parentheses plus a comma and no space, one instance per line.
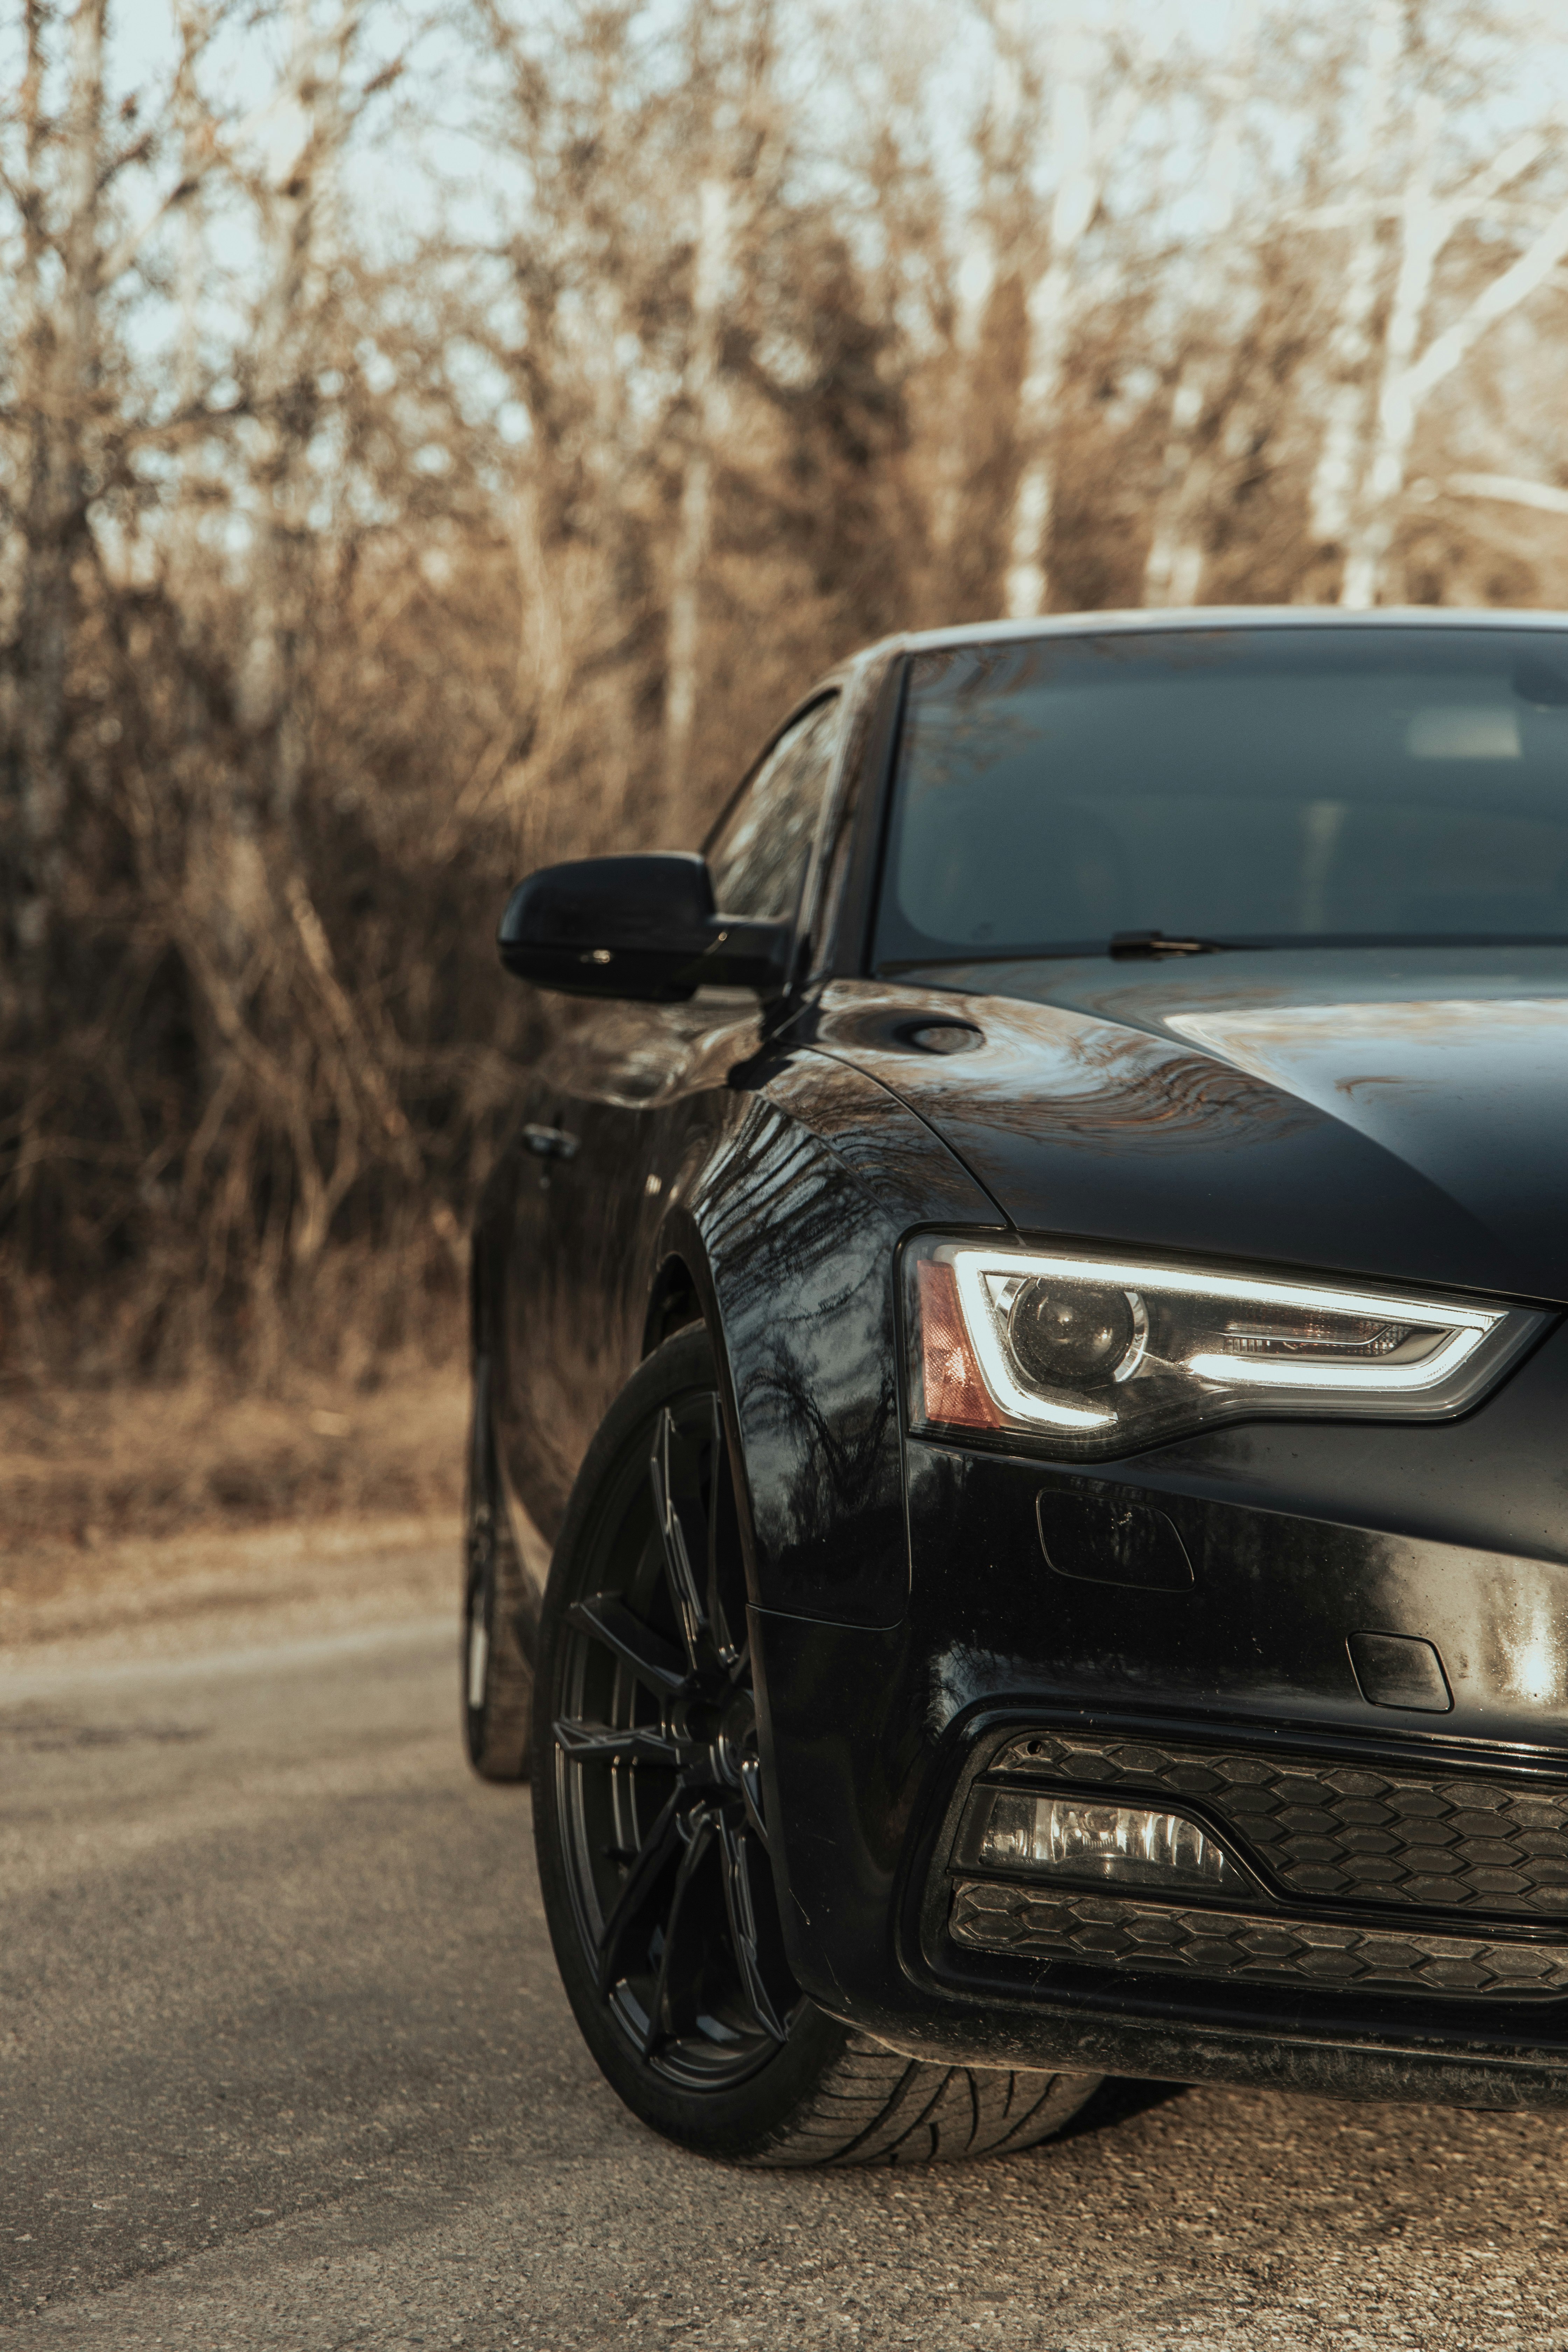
(1468,1326)
(1355,1380)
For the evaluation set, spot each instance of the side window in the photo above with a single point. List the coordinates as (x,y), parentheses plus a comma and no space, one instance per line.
(759,855)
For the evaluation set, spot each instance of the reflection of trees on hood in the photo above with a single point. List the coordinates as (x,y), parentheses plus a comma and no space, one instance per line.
(1064,1076)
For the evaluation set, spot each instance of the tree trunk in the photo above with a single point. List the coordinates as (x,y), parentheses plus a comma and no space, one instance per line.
(1178,553)
(58,338)
(1080,160)
(702,393)
(283,398)
(196,151)
(968,503)
(1174,569)
(1424,230)
(1340,458)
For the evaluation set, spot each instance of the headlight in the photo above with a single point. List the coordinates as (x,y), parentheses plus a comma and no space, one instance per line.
(1088,1354)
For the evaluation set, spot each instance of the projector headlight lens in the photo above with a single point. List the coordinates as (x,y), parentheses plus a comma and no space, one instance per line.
(1088,1354)
(1080,1337)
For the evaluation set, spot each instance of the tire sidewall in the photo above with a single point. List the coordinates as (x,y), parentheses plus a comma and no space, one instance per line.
(497,1733)
(738,2122)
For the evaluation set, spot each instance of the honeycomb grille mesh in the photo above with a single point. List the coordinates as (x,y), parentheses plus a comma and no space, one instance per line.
(1349,1832)
(1117,1932)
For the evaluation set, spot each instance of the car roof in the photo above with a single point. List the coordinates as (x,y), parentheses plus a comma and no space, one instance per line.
(1131,619)
(1073,624)
(1233,616)
(1078,624)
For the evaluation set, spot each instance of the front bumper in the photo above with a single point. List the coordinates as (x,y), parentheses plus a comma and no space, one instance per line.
(1409,1932)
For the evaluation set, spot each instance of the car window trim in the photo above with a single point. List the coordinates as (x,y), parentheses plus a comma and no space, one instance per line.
(849,956)
(830,691)
(838,687)
(863,687)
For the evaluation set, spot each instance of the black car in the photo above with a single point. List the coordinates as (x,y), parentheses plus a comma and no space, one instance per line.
(1020,1456)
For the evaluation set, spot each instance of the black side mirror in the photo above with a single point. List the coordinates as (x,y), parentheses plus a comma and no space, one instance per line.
(637,927)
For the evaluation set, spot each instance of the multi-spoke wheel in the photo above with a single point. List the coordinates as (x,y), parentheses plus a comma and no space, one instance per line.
(652,1832)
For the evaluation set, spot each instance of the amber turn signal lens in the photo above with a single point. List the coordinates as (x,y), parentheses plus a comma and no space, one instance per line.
(954,1391)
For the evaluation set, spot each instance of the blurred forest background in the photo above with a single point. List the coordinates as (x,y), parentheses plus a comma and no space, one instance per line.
(435,442)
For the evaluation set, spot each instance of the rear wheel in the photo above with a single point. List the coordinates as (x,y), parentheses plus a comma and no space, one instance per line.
(652,1838)
(497,1681)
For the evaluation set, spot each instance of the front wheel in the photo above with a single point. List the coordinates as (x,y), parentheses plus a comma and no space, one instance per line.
(652,1838)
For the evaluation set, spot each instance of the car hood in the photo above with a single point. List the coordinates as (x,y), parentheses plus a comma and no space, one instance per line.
(1380,1112)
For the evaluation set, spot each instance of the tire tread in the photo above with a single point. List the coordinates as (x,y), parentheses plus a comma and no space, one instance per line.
(874,2106)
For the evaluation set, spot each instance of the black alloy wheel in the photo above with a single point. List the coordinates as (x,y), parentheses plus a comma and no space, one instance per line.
(652,1834)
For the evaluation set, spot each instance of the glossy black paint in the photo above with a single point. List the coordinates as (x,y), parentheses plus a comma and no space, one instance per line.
(636,929)
(1396,1113)
(1093,1532)
(1393,1114)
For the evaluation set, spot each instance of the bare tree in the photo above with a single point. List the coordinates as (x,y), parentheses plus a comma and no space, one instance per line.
(1084,140)
(1411,370)
(715,206)
(1351,343)
(72,261)
(58,341)
(336,591)
(1221,297)
(295,204)
(997,244)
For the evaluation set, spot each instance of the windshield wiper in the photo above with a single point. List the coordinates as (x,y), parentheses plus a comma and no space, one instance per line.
(1133,947)
(1155,943)
(1125,943)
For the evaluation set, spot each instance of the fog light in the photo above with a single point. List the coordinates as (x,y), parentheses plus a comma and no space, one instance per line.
(1120,1845)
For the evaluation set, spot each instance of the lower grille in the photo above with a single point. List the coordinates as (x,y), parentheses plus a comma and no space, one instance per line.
(1351,1832)
(1119,1932)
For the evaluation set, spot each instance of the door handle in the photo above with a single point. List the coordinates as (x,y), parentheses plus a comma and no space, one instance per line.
(551,1142)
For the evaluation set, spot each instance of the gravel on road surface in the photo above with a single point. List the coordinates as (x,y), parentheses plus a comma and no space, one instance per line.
(284,2064)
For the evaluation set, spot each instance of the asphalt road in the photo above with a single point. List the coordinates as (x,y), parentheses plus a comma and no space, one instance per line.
(283,2062)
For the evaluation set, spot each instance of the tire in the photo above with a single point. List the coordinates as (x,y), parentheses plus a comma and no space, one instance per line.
(497,1679)
(652,1842)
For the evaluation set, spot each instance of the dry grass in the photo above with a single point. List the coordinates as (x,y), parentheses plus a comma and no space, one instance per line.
(120,1508)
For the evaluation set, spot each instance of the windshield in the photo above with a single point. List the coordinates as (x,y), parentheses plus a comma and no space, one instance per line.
(1230,784)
